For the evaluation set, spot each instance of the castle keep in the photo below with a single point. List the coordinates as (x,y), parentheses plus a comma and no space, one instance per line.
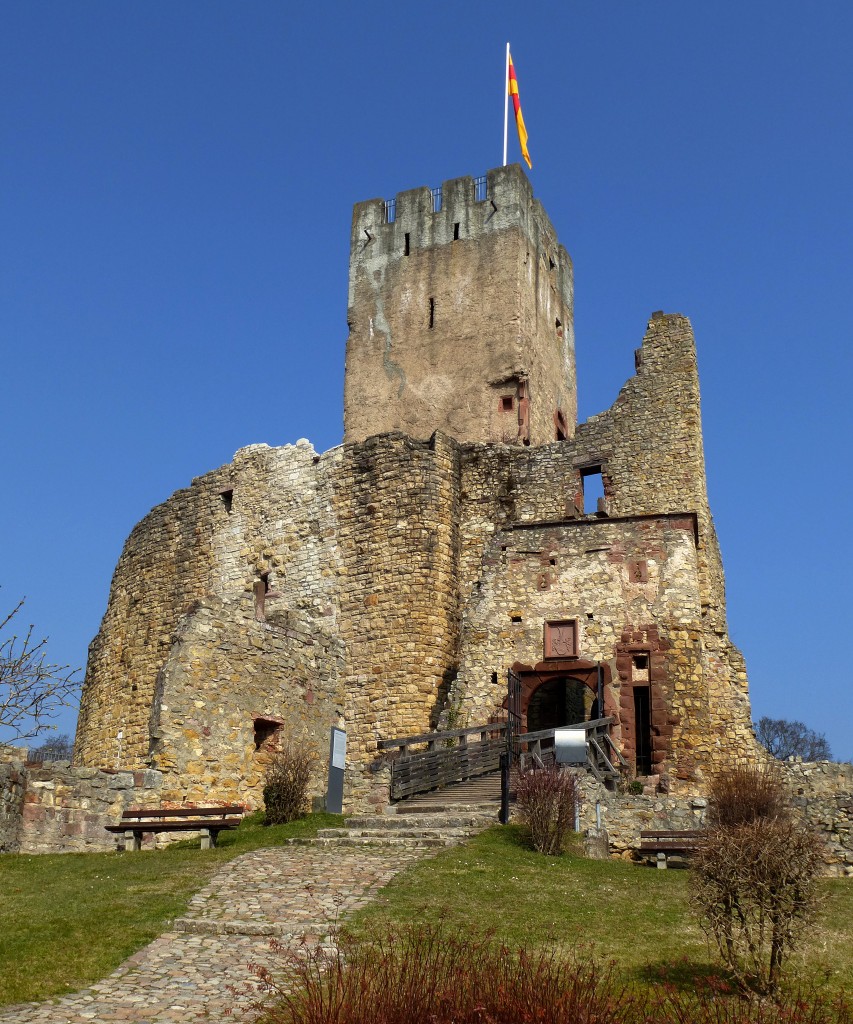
(386,586)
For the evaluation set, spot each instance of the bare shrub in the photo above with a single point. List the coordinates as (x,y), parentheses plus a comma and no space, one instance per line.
(755,887)
(420,974)
(287,782)
(714,1002)
(742,794)
(547,799)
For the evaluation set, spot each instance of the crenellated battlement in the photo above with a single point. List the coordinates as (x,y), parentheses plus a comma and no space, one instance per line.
(462,209)
(461,315)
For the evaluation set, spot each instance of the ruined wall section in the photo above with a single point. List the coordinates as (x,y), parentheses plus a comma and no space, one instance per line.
(585,571)
(461,320)
(165,566)
(233,689)
(397,502)
(201,639)
(649,446)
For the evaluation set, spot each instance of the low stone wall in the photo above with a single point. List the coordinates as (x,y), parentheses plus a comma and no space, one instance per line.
(12,788)
(57,808)
(822,792)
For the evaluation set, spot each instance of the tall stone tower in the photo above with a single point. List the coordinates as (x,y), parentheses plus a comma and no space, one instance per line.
(461,316)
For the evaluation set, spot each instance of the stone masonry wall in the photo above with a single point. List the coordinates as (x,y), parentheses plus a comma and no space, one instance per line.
(461,319)
(821,792)
(57,808)
(396,503)
(13,784)
(312,590)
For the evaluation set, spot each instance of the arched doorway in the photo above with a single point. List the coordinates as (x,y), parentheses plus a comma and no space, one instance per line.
(560,681)
(559,701)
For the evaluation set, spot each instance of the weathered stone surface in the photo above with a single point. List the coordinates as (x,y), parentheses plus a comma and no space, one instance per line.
(57,808)
(387,585)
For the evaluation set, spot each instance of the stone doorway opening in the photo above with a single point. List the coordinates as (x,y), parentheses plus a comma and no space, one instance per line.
(560,701)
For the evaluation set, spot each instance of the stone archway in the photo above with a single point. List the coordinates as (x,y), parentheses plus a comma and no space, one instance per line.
(554,674)
(559,701)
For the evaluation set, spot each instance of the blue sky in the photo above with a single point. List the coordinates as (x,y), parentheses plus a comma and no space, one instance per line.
(177,183)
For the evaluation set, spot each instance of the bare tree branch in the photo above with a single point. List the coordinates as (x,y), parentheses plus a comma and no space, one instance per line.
(32,690)
(784,739)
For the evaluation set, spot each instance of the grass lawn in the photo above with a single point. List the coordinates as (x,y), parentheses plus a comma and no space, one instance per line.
(638,916)
(67,920)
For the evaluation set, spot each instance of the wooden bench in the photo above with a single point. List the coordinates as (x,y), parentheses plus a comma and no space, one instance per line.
(663,842)
(209,821)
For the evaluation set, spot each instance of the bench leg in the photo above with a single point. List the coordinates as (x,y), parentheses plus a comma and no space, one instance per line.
(208,839)
(661,860)
(132,840)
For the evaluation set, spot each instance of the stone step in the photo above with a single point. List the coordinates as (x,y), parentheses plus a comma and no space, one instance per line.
(380,841)
(392,822)
(408,833)
(416,807)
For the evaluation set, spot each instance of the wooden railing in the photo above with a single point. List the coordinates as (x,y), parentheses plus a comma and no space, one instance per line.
(601,751)
(436,759)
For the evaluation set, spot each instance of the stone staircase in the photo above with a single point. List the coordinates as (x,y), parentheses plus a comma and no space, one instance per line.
(441,818)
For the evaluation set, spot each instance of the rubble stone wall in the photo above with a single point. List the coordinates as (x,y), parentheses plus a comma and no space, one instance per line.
(56,808)
(13,784)
(461,319)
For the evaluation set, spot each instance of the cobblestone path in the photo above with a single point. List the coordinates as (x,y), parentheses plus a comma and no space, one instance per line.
(182,976)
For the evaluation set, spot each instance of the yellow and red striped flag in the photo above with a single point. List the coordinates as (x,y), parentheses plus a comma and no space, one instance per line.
(512,85)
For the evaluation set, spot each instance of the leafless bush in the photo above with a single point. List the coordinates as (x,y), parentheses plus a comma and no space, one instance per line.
(424,974)
(547,799)
(287,782)
(755,887)
(741,794)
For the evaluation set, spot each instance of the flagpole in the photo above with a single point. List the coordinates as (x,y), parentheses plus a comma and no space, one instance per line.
(506,99)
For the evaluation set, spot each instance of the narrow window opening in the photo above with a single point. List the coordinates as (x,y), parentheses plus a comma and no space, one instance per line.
(643,730)
(494,677)
(456,232)
(551,263)
(406,249)
(592,486)
(260,590)
(561,428)
(640,668)
(552,561)
(227,499)
(507,403)
(590,616)
(431,313)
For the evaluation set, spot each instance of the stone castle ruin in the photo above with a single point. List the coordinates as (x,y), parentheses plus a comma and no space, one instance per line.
(466,525)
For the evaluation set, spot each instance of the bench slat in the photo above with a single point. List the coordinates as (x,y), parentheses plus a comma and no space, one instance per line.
(181,812)
(175,826)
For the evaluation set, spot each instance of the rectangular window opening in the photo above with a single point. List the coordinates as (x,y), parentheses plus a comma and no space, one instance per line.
(643,730)
(592,485)
(431,313)
(507,403)
(456,232)
(227,499)
(515,618)
(265,730)
(406,245)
